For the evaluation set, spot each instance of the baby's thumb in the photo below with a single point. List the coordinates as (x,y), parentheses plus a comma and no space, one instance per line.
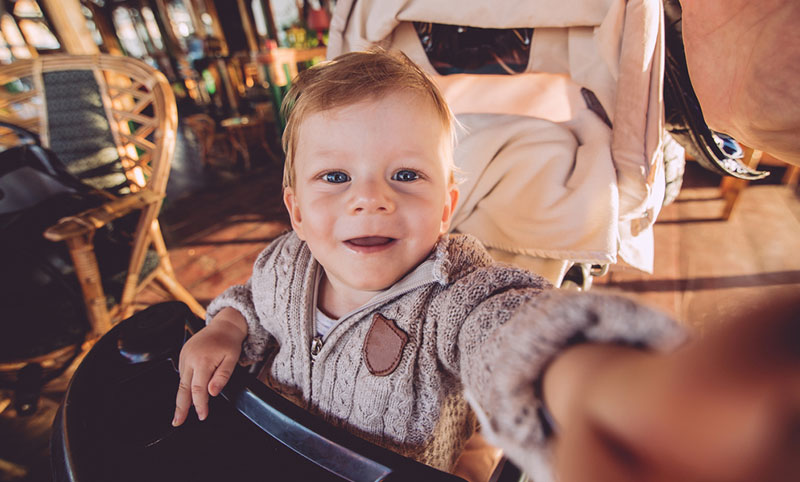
(221,376)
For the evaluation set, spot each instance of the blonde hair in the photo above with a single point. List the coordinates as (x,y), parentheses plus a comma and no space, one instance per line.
(351,78)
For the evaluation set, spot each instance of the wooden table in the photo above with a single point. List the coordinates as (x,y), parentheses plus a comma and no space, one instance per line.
(276,58)
(236,127)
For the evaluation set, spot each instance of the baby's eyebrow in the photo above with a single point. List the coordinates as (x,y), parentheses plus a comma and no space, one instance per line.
(411,152)
(325,151)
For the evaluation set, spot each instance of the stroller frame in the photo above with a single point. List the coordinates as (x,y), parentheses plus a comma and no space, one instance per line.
(584,189)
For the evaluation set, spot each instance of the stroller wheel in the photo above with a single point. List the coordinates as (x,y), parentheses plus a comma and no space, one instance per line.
(579,276)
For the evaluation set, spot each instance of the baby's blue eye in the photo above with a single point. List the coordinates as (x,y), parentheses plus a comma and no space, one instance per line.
(405,175)
(336,177)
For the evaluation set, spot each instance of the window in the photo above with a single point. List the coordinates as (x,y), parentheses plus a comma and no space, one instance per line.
(5,52)
(13,38)
(34,26)
(287,16)
(152,28)
(181,22)
(91,25)
(126,31)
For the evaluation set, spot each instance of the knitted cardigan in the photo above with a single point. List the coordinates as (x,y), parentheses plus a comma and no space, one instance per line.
(399,370)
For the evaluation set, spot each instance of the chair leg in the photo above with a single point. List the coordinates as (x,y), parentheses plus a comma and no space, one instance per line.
(160,246)
(180,293)
(731,186)
(81,250)
(265,144)
(144,230)
(792,175)
(165,275)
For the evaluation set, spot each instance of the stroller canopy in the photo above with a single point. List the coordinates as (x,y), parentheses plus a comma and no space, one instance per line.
(562,158)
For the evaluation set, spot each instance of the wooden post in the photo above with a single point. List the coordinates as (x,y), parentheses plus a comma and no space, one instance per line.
(101,19)
(82,252)
(730,187)
(216,25)
(247,24)
(272,28)
(70,24)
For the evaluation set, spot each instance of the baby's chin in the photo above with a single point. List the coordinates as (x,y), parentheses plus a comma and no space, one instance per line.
(376,284)
(373,274)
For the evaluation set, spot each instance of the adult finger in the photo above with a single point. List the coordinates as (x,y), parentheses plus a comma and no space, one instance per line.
(221,375)
(584,453)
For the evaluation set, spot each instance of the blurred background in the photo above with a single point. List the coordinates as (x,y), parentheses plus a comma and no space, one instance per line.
(721,244)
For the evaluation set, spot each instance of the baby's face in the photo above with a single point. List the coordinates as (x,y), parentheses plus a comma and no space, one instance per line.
(372,189)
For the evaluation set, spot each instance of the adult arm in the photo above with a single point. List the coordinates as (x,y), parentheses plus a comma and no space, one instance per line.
(724,407)
(505,378)
(744,63)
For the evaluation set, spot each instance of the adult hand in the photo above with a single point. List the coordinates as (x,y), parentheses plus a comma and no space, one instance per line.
(725,408)
(744,63)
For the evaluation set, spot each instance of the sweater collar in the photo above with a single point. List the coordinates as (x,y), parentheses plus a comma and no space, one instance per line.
(433,270)
(440,271)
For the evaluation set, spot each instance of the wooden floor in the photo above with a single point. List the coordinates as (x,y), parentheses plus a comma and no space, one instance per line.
(705,269)
(215,236)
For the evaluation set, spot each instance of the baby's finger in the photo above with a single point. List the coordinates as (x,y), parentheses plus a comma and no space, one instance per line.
(183,400)
(199,389)
(221,375)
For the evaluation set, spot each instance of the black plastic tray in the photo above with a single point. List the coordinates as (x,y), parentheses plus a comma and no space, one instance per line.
(115,422)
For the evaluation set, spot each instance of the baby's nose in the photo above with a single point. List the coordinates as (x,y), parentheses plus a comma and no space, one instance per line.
(372,197)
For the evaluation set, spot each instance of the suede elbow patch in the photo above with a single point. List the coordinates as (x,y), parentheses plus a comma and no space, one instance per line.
(383,346)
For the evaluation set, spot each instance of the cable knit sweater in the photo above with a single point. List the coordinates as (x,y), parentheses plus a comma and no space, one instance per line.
(399,370)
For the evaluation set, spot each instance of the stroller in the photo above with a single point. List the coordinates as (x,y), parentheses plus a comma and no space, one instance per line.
(561,107)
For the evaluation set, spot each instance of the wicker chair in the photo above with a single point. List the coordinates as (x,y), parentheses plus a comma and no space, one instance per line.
(112,121)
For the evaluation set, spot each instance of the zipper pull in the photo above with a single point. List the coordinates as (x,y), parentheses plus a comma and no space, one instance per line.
(316,346)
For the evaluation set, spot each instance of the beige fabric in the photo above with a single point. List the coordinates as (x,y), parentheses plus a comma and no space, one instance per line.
(553,270)
(372,24)
(541,193)
(609,47)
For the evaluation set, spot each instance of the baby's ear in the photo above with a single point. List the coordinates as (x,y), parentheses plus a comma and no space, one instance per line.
(449,207)
(290,201)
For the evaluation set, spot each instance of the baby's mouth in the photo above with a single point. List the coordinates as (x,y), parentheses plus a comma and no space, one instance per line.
(370,243)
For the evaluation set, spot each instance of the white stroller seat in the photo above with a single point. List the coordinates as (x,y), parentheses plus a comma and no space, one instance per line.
(504,204)
(548,180)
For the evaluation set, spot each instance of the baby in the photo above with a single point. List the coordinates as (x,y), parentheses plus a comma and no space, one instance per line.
(368,314)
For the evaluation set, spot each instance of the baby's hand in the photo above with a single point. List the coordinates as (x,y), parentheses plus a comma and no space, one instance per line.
(207,361)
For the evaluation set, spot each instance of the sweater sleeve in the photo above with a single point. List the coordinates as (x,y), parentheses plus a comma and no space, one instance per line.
(500,375)
(241,298)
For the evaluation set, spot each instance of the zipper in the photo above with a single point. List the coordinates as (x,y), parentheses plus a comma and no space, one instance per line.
(318,341)
(316,346)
